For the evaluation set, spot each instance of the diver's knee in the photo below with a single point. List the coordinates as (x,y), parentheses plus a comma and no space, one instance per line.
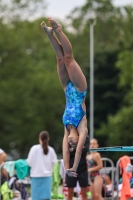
(60,60)
(68,59)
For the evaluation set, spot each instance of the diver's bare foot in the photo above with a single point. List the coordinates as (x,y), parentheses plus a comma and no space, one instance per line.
(54,24)
(48,30)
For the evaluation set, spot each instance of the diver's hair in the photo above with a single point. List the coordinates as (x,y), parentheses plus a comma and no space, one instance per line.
(44,137)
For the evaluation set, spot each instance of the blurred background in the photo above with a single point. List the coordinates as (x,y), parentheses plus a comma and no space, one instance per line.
(31,96)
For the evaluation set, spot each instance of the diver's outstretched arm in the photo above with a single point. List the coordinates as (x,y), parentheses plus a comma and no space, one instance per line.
(83,131)
(65,149)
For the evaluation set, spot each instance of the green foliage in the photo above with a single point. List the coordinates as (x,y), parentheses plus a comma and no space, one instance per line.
(119,129)
(31,97)
(16,10)
(106,48)
(125,65)
(112,67)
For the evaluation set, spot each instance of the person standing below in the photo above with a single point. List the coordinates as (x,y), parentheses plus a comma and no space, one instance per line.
(41,159)
(75,87)
(82,172)
(95,163)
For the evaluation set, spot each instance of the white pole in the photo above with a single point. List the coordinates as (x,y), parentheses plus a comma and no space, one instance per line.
(91,80)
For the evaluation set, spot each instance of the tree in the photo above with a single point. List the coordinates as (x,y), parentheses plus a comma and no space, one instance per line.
(112,36)
(107,46)
(31,97)
(119,128)
(16,10)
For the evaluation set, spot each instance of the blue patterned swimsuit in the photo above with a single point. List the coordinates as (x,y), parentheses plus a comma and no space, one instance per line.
(74,112)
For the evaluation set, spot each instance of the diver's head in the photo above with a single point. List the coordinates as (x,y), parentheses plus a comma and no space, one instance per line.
(73,138)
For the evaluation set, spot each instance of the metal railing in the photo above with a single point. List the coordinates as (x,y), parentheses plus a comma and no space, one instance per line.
(107,170)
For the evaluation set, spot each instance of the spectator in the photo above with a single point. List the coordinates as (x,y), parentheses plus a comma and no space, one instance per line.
(41,159)
(94,165)
(6,192)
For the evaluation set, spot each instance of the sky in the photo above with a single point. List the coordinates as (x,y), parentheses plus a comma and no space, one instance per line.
(61,8)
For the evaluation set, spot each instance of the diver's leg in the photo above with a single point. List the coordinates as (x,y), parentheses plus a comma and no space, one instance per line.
(74,71)
(62,72)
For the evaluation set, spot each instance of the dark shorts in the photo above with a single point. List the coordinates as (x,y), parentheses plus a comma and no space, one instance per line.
(82,177)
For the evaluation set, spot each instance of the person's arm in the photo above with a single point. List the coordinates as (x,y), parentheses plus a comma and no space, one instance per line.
(99,162)
(65,149)
(2,157)
(86,145)
(78,153)
(79,149)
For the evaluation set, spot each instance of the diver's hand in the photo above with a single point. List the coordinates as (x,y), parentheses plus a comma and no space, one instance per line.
(71,172)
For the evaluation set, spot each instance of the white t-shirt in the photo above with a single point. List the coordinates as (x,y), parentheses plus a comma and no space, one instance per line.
(1,151)
(41,164)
